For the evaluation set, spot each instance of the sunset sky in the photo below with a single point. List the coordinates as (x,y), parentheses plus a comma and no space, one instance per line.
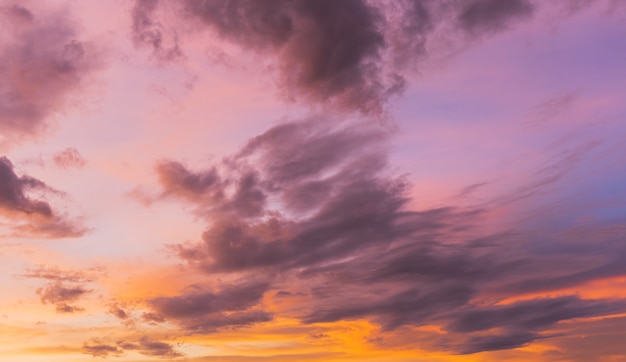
(313,180)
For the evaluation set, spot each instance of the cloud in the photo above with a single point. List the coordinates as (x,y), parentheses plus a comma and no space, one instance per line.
(530,315)
(205,312)
(328,49)
(180,182)
(31,216)
(152,317)
(349,54)
(509,340)
(69,158)
(485,16)
(12,194)
(552,108)
(143,345)
(515,325)
(313,206)
(64,286)
(60,294)
(55,273)
(602,339)
(318,172)
(101,350)
(66,308)
(149,32)
(149,347)
(118,312)
(42,65)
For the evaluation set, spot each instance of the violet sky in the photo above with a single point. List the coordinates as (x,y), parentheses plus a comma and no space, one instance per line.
(313,180)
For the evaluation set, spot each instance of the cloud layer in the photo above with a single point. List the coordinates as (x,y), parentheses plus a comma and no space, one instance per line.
(313,206)
(483,214)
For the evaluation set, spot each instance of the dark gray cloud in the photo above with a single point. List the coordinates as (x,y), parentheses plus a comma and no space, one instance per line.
(350,54)
(530,315)
(327,49)
(313,207)
(204,312)
(483,16)
(42,64)
(13,197)
(495,342)
(413,306)
(455,285)
(315,171)
(31,216)
(517,324)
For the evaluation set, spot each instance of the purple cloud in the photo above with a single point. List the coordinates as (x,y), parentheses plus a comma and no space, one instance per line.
(312,205)
(205,312)
(43,64)
(60,294)
(31,216)
(349,54)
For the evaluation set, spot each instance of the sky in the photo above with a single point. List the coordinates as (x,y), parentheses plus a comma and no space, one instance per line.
(312,180)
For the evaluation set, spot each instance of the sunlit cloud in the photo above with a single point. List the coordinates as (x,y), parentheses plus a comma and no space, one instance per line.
(312,180)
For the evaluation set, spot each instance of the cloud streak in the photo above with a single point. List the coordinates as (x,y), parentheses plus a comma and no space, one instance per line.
(143,345)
